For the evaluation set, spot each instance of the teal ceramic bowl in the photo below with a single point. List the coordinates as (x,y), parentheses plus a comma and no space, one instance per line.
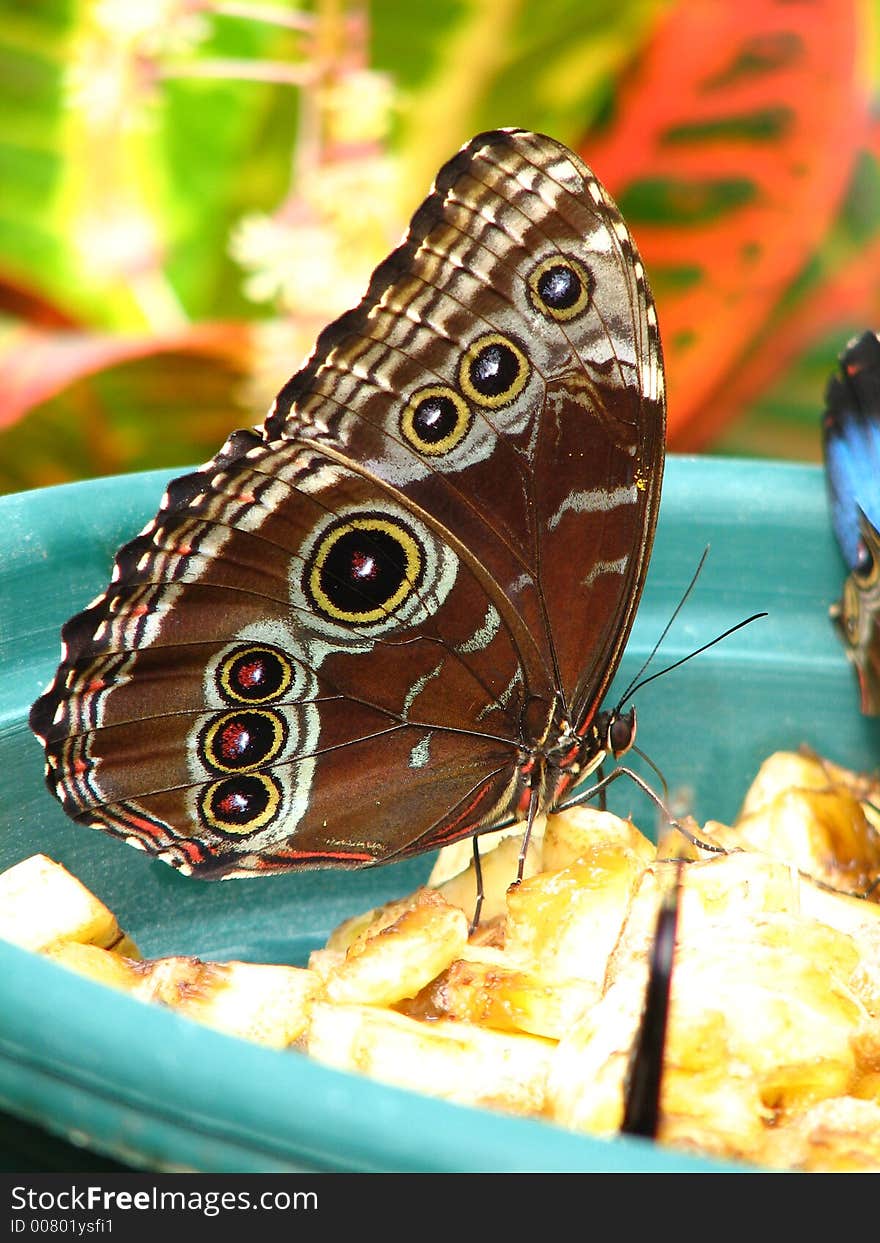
(155,1091)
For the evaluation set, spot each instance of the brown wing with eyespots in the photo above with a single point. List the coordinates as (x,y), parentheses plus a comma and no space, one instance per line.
(322,649)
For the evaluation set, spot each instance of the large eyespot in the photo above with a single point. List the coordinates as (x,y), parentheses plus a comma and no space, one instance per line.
(237,741)
(241,804)
(254,674)
(363,569)
(560,287)
(493,371)
(435,419)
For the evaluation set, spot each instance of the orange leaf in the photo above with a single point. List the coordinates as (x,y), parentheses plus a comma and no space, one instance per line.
(848,299)
(733,146)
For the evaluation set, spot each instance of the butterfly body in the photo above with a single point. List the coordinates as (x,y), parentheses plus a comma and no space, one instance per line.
(851,441)
(387,619)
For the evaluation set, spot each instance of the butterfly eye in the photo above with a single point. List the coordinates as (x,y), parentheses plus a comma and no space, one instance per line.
(865,570)
(237,741)
(363,569)
(435,419)
(560,288)
(254,675)
(493,371)
(622,733)
(241,804)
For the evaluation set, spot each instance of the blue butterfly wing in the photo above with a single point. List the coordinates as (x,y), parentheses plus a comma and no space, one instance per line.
(851,440)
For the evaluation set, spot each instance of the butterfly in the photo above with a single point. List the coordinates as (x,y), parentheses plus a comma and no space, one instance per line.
(851,442)
(387,619)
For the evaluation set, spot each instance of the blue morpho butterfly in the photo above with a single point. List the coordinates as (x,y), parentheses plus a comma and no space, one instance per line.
(851,439)
(352,636)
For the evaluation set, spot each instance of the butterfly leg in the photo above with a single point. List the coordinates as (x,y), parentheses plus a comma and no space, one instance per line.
(530,824)
(478,878)
(603,801)
(585,796)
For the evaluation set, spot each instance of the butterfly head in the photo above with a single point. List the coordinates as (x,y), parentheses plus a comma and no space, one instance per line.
(613,734)
(576,755)
(620,731)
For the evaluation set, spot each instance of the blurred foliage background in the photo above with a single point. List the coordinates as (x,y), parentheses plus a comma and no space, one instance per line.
(191,189)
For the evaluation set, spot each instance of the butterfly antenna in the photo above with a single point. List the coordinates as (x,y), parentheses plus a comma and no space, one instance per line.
(641,1114)
(660,672)
(629,690)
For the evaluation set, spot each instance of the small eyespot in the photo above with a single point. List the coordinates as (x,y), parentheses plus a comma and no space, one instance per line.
(494,371)
(254,674)
(363,569)
(435,419)
(242,740)
(241,804)
(560,287)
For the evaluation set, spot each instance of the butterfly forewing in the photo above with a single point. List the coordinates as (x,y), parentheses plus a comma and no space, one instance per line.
(345,638)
